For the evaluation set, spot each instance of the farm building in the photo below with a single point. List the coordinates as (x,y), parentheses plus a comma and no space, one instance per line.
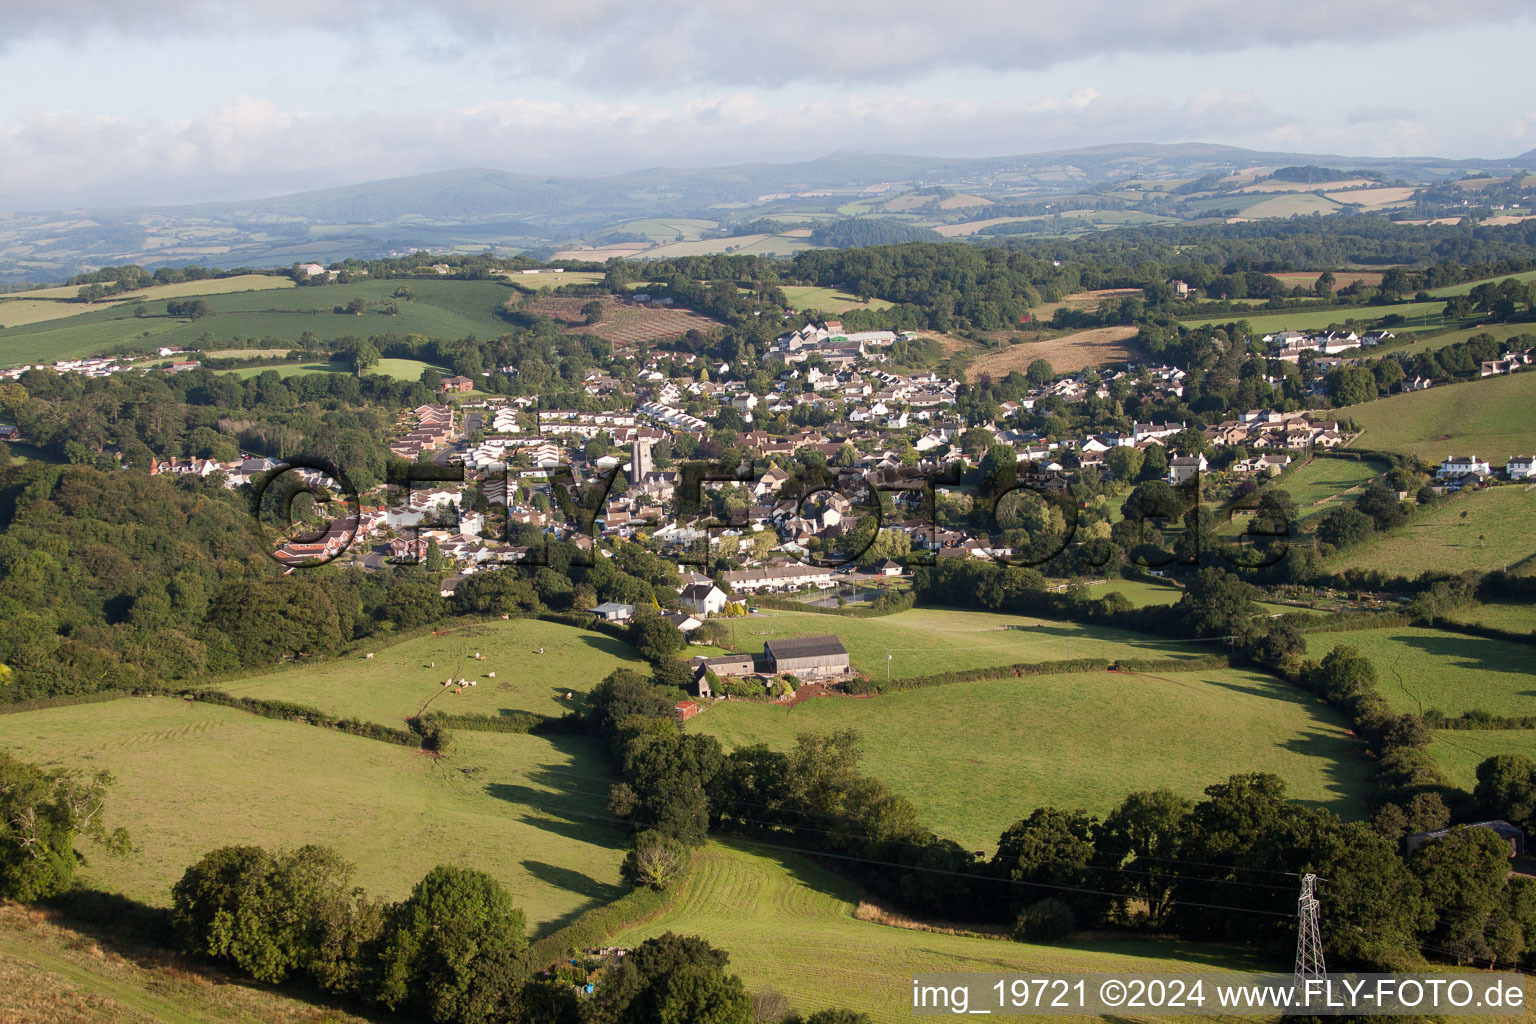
(1515,837)
(723,665)
(686,709)
(809,657)
(614,611)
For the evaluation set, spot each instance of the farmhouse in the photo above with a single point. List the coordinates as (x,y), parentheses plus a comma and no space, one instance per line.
(457,384)
(1462,465)
(809,657)
(1520,467)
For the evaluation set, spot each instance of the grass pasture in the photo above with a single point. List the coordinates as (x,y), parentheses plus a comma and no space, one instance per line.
(1494,417)
(1459,752)
(827,300)
(926,641)
(52,973)
(790,925)
(192,777)
(1325,316)
(1316,487)
(440,309)
(1480,530)
(397,682)
(1419,669)
(1518,618)
(974,757)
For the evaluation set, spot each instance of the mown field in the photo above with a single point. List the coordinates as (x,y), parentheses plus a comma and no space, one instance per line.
(1316,486)
(1066,353)
(1480,530)
(51,973)
(1419,669)
(1466,286)
(790,925)
(1494,417)
(451,309)
(976,756)
(400,680)
(925,641)
(192,777)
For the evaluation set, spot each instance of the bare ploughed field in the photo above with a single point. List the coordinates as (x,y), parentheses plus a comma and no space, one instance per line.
(622,323)
(1065,354)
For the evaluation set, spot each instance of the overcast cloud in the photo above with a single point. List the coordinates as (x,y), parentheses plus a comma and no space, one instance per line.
(107,103)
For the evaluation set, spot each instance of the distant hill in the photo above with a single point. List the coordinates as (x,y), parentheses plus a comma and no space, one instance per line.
(476,208)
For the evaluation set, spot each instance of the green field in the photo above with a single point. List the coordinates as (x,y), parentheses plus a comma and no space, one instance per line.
(51,973)
(1438,341)
(790,925)
(827,300)
(974,757)
(1480,530)
(1458,752)
(1314,485)
(191,777)
(547,282)
(925,641)
(21,308)
(1520,618)
(1311,320)
(1494,417)
(1466,287)
(400,369)
(451,309)
(397,683)
(1419,669)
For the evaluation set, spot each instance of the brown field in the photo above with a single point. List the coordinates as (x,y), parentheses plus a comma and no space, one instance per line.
(970,227)
(1065,354)
(1437,220)
(1086,302)
(1303,186)
(1374,198)
(962,201)
(1507,218)
(599,253)
(623,323)
(907,203)
(1342,278)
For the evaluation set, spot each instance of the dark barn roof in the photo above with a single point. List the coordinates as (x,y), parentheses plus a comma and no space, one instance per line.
(806,647)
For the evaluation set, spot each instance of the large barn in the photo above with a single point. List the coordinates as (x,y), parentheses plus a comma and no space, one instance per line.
(809,657)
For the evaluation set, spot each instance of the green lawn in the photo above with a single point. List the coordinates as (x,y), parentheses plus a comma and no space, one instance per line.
(1458,752)
(1314,485)
(925,641)
(441,309)
(790,925)
(192,777)
(1418,669)
(397,681)
(974,757)
(1494,417)
(1479,530)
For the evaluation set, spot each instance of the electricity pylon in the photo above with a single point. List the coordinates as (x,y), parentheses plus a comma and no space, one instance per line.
(1309,942)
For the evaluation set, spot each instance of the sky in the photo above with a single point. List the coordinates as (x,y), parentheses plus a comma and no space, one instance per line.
(104,103)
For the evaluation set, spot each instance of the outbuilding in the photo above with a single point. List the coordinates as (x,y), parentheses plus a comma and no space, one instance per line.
(809,657)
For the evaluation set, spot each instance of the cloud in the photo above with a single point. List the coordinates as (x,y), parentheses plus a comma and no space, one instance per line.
(248,146)
(673,43)
(1372,115)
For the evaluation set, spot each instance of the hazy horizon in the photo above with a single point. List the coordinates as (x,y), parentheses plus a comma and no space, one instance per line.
(190,102)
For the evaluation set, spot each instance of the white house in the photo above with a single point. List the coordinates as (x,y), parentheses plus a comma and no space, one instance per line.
(703,598)
(1182,468)
(1521,467)
(1462,465)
